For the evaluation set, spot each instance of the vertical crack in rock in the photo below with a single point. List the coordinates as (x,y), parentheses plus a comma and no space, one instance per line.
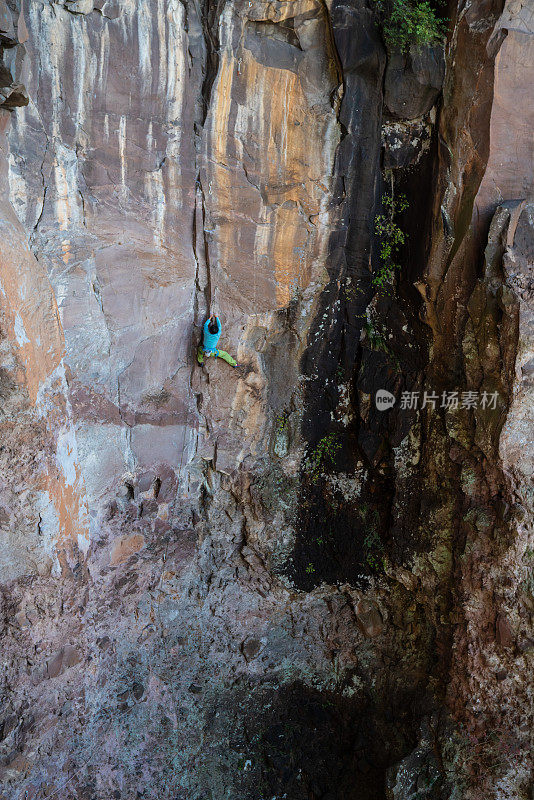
(45,189)
(209,12)
(208,17)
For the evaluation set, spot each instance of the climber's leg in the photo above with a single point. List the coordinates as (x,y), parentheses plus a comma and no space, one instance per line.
(226,357)
(200,354)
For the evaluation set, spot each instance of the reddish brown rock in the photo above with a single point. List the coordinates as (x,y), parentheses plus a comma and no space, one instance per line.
(503,631)
(126,547)
(368,618)
(64,659)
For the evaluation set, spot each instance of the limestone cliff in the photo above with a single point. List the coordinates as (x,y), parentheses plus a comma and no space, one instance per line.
(253,582)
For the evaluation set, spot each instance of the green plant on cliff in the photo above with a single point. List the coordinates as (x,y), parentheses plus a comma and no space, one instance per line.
(373,549)
(281,421)
(408,22)
(322,455)
(392,237)
(376,335)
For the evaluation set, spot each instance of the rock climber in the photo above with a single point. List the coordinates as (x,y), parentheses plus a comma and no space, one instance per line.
(208,346)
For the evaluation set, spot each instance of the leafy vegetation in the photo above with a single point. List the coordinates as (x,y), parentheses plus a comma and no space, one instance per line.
(322,455)
(373,549)
(281,421)
(376,334)
(376,337)
(409,22)
(392,238)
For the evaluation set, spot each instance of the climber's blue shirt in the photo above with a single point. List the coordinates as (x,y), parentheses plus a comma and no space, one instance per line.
(210,340)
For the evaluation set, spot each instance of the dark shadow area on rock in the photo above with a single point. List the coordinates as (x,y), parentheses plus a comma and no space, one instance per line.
(294,741)
(342,539)
(334,337)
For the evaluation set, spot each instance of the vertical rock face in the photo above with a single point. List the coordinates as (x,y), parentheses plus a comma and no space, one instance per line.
(156,182)
(252,582)
(103,176)
(44,516)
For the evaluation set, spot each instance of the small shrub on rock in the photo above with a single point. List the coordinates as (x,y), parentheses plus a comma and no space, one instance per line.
(409,22)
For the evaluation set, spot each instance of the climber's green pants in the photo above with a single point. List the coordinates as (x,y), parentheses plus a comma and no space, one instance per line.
(201,353)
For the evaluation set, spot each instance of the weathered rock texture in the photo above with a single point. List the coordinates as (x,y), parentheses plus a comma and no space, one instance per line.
(252,583)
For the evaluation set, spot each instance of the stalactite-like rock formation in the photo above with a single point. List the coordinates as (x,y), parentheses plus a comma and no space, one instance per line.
(255,583)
